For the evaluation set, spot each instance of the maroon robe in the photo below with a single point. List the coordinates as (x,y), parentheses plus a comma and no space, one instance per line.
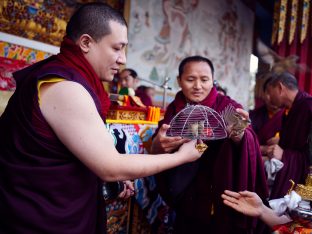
(264,126)
(44,188)
(294,141)
(194,189)
(146,100)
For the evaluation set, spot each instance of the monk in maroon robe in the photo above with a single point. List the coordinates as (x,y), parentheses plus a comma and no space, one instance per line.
(194,190)
(266,123)
(55,150)
(142,93)
(293,146)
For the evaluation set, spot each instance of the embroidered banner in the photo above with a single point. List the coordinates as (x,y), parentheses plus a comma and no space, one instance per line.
(293,21)
(282,21)
(275,21)
(305,20)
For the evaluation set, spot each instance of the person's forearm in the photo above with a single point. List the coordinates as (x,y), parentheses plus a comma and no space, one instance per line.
(271,219)
(138,165)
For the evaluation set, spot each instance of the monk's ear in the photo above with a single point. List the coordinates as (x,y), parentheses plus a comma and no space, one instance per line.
(280,87)
(84,42)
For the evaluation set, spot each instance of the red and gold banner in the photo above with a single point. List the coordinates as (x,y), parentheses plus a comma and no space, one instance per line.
(13,51)
(7,67)
(293,21)
(282,21)
(275,21)
(305,20)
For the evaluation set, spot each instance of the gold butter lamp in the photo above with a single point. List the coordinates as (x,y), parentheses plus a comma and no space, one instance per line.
(303,215)
(304,190)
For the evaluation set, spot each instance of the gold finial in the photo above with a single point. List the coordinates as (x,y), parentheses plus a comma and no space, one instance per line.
(201,147)
(291,187)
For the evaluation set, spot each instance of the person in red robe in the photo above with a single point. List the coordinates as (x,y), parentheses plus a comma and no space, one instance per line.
(194,190)
(55,148)
(266,121)
(293,146)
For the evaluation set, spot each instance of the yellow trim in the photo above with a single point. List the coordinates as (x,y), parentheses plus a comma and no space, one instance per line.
(130,121)
(48,80)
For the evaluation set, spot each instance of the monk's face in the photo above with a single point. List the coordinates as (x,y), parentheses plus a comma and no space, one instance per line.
(108,54)
(126,80)
(274,95)
(196,81)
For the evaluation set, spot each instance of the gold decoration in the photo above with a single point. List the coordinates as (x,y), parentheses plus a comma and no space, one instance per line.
(126,115)
(201,147)
(308,181)
(282,21)
(305,20)
(293,20)
(37,20)
(305,191)
(275,21)
(291,187)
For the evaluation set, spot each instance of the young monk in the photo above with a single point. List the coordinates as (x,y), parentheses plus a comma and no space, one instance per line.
(55,148)
(194,189)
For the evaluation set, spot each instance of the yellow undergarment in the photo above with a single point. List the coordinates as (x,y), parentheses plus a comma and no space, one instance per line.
(48,80)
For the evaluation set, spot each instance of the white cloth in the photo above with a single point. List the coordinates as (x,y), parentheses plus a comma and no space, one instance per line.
(290,201)
(272,166)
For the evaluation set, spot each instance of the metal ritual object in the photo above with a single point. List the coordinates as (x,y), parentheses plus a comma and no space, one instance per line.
(303,215)
(198,122)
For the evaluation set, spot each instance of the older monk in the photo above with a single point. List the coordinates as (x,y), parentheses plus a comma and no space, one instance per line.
(293,146)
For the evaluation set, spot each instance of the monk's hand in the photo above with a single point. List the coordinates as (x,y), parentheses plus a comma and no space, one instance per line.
(245,202)
(275,151)
(165,144)
(236,131)
(128,190)
(264,150)
(273,141)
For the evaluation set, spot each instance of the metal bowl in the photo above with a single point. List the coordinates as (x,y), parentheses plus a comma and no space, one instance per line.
(302,216)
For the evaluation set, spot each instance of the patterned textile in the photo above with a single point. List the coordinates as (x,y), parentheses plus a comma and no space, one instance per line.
(291,228)
(7,67)
(147,212)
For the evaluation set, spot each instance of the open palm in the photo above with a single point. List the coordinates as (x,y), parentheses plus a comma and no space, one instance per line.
(245,202)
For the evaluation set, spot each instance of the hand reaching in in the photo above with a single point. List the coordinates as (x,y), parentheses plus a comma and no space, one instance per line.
(245,202)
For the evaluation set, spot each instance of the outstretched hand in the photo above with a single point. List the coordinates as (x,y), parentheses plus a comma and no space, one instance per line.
(245,202)
(165,144)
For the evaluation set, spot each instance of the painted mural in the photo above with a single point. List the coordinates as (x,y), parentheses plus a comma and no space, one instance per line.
(162,33)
